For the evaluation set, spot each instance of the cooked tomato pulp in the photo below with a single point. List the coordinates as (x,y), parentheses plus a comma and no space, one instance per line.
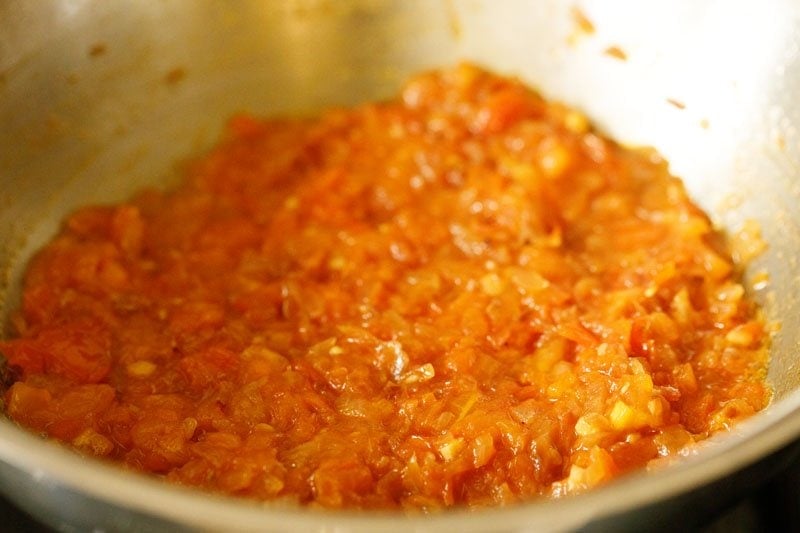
(462,296)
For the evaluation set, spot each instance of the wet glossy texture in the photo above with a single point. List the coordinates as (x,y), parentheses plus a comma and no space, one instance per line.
(463,296)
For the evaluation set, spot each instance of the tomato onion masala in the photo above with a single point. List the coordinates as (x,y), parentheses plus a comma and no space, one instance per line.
(464,296)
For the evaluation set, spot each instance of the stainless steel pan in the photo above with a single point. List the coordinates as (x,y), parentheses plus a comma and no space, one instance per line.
(100,98)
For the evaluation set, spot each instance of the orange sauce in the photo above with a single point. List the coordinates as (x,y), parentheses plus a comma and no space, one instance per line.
(462,296)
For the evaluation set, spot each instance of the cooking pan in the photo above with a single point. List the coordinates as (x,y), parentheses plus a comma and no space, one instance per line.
(98,99)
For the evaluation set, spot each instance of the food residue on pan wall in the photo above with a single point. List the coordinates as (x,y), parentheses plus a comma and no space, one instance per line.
(582,25)
(747,243)
(760,280)
(730,202)
(175,76)
(453,21)
(616,52)
(676,103)
(97,49)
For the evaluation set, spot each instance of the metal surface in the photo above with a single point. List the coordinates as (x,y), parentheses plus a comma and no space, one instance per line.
(100,98)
